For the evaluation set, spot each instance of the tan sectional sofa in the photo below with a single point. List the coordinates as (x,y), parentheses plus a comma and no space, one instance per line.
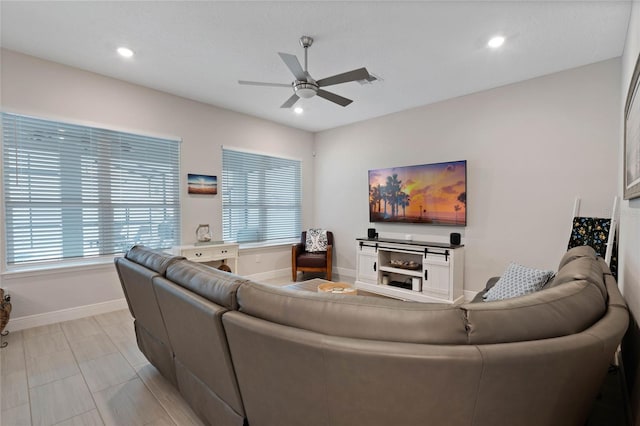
(241,352)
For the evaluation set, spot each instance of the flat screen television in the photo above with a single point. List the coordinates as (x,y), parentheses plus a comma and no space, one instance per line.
(434,194)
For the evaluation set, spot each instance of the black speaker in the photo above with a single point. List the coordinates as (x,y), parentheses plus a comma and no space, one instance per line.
(454,239)
(371,233)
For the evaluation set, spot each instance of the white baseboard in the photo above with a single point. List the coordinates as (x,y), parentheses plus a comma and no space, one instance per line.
(29,321)
(345,274)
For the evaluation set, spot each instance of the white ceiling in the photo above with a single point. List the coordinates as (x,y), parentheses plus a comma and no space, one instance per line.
(424,52)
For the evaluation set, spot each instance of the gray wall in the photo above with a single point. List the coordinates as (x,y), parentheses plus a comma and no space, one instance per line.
(45,89)
(531,148)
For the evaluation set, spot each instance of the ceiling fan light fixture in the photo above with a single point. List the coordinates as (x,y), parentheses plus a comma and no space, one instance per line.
(496,42)
(125,52)
(305,89)
(305,93)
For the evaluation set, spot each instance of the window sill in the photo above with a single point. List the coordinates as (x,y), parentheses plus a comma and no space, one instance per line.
(61,267)
(267,245)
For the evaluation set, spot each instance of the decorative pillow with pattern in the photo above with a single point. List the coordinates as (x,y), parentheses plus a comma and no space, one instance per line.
(518,280)
(316,240)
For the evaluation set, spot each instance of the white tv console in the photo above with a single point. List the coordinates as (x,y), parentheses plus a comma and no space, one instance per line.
(438,267)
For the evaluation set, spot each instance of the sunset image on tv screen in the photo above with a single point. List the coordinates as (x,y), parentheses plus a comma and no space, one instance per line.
(430,193)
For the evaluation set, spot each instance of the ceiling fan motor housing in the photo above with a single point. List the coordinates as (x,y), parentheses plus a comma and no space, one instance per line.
(306,41)
(305,89)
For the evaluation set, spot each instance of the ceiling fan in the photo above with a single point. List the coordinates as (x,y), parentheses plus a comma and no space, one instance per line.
(304,86)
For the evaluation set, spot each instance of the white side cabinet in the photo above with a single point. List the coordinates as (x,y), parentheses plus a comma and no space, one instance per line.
(217,253)
(411,270)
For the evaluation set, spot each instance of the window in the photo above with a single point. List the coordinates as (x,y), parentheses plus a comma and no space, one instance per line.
(261,199)
(75,191)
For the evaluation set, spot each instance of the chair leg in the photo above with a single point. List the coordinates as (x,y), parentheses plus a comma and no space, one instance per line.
(329,261)
(294,274)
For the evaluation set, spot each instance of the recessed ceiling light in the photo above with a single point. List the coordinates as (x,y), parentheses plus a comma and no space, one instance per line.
(125,51)
(496,42)
(298,110)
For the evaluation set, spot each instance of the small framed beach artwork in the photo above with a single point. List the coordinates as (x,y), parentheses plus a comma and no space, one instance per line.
(202,184)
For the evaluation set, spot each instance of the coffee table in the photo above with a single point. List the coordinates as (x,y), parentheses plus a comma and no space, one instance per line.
(312,285)
(337,288)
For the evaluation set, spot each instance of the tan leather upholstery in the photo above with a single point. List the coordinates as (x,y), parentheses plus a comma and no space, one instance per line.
(251,353)
(289,376)
(192,307)
(136,272)
(577,253)
(581,269)
(358,317)
(302,260)
(533,360)
(541,315)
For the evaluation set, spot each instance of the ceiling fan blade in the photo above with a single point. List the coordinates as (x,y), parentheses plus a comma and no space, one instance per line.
(289,102)
(359,74)
(259,83)
(291,61)
(334,98)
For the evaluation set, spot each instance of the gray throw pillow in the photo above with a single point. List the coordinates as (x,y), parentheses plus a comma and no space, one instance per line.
(517,280)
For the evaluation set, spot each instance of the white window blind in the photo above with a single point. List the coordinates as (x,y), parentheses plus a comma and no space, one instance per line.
(74,191)
(261,197)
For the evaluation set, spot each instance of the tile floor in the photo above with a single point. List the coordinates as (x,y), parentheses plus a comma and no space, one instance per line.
(85,372)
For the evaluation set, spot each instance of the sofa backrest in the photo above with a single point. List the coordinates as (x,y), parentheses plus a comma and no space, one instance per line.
(192,300)
(559,311)
(357,317)
(575,299)
(291,376)
(212,284)
(136,271)
(577,253)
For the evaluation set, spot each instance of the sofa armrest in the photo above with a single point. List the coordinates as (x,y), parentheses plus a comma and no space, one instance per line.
(297,249)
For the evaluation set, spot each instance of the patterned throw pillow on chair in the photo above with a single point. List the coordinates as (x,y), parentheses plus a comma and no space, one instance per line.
(518,280)
(316,240)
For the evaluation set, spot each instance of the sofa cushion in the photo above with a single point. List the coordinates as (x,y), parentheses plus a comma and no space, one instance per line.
(518,280)
(212,284)
(355,316)
(577,253)
(312,260)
